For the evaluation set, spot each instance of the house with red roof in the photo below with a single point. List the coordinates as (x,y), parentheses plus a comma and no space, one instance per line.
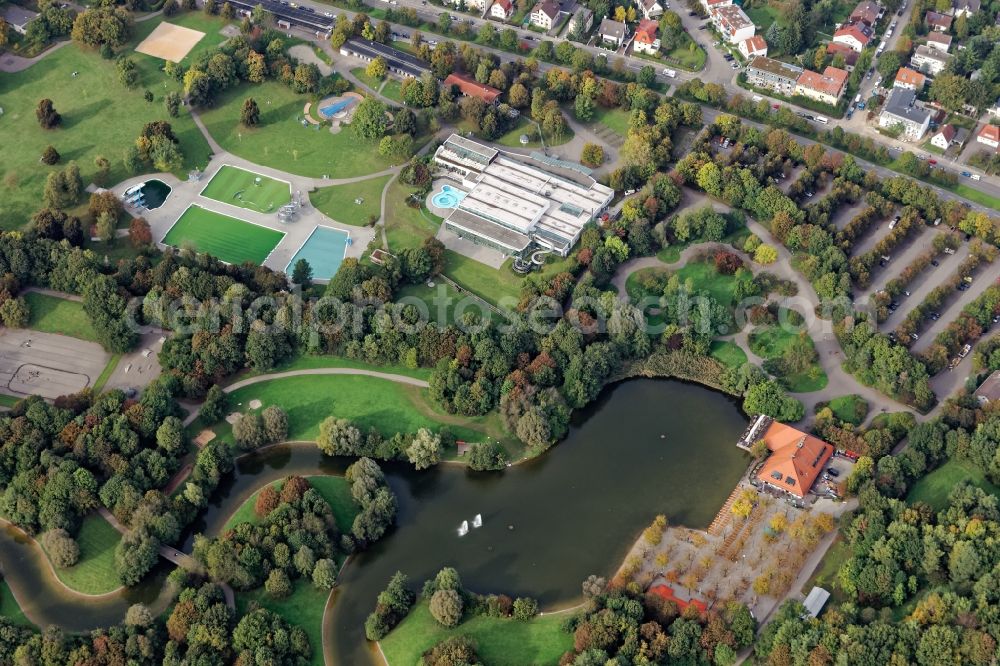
(502,9)
(797,459)
(469,87)
(989,135)
(754,46)
(646,38)
(909,78)
(849,55)
(826,87)
(866,12)
(855,36)
(945,137)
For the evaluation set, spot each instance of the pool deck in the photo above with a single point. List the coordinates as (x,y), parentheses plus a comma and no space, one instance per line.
(185,193)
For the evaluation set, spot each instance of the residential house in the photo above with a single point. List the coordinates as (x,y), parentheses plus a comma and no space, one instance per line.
(936,40)
(901,109)
(709,5)
(544,14)
(867,12)
(612,32)
(854,36)
(995,109)
(755,46)
(908,78)
(944,137)
(937,22)
(650,9)
(849,55)
(775,75)
(989,135)
(646,38)
(929,61)
(826,87)
(989,390)
(581,21)
(965,7)
(797,459)
(469,87)
(18,18)
(478,5)
(502,9)
(733,24)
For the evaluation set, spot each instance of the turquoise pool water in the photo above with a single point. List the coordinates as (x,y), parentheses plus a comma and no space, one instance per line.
(324,250)
(330,110)
(447,197)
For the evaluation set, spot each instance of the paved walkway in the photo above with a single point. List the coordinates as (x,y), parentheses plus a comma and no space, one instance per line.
(11,63)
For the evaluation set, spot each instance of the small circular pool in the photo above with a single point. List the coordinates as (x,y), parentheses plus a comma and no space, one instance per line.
(154,193)
(447,197)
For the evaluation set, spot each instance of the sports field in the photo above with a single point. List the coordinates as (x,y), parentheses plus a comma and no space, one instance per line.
(246,189)
(225,237)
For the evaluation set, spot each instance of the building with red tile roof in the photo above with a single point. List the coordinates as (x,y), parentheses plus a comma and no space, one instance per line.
(855,36)
(989,135)
(754,46)
(826,87)
(866,12)
(472,88)
(850,55)
(646,39)
(909,78)
(796,461)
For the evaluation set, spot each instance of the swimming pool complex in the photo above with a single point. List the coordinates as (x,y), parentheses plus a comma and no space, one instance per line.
(324,250)
(332,109)
(448,197)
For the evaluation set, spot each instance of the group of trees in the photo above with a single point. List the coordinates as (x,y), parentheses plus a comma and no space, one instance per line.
(296,537)
(423,449)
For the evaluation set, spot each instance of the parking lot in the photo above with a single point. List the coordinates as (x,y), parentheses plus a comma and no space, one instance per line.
(46,364)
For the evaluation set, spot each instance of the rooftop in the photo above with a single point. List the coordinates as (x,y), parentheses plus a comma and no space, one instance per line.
(939,38)
(866,11)
(548,7)
(990,132)
(775,67)
(830,82)
(989,390)
(946,131)
(396,59)
(796,459)
(469,86)
(614,29)
(18,16)
(927,53)
(646,31)
(731,17)
(858,31)
(901,103)
(909,77)
(938,20)
(836,48)
(815,601)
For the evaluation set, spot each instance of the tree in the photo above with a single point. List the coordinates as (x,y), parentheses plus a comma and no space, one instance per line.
(105,227)
(765,254)
(377,68)
(425,449)
(128,73)
(275,423)
(302,273)
(487,456)
(47,115)
(324,575)
(250,113)
(249,432)
(139,233)
(278,584)
(370,120)
(592,155)
(446,607)
(266,502)
(525,608)
(170,436)
(15,313)
(50,156)
(61,548)
(214,406)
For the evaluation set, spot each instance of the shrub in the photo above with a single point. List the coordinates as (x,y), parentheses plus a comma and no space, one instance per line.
(62,549)
(277,584)
(446,607)
(324,574)
(267,501)
(525,608)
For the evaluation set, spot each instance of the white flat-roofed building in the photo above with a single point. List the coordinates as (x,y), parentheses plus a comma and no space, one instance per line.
(514,202)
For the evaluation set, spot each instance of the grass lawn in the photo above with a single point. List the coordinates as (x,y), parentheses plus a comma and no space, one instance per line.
(100,117)
(494,285)
(338,201)
(231,240)
(368,401)
(370,81)
(687,55)
(309,362)
(94,573)
(393,89)
(499,641)
(246,189)
(334,489)
(51,314)
(405,226)
(441,295)
(935,487)
(303,608)
(106,373)
(771,342)
(8,400)
(764,16)
(617,120)
(705,278)
(282,142)
(978,196)
(728,353)
(825,575)
(850,408)
(9,608)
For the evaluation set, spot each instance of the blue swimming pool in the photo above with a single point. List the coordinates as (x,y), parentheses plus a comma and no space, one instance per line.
(447,197)
(330,110)
(324,250)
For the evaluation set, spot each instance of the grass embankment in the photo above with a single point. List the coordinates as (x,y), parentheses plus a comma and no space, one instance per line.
(935,487)
(825,575)
(334,489)
(231,240)
(100,117)
(338,202)
(771,343)
(51,314)
(728,353)
(406,226)
(95,571)
(10,610)
(282,142)
(499,641)
(239,187)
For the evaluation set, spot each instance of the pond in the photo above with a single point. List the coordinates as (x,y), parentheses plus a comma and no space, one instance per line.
(644,447)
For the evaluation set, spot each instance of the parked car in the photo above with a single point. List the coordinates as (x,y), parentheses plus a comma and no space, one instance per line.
(966,174)
(692,13)
(935,263)
(935,316)
(914,336)
(861,105)
(932,162)
(832,471)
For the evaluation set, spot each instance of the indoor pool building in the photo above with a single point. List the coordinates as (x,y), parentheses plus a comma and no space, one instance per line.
(514,203)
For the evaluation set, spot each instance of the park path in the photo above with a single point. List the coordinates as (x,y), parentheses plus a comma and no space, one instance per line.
(11,64)
(55,294)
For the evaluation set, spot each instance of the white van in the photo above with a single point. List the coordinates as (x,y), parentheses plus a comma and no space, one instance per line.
(976,176)
(821,120)
(671,73)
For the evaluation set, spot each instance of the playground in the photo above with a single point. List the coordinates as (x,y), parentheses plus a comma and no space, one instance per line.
(245,189)
(231,240)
